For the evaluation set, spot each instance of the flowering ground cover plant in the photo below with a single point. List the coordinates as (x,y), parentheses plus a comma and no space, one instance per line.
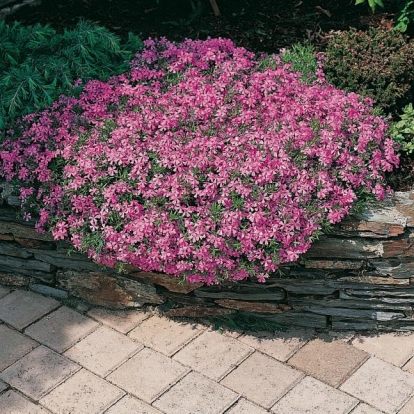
(204,161)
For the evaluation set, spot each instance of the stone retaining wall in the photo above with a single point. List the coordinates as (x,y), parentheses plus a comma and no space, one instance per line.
(360,276)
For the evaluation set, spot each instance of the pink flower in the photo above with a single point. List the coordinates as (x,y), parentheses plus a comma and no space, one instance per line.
(201,162)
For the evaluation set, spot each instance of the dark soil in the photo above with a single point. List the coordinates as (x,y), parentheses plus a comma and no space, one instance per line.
(258,25)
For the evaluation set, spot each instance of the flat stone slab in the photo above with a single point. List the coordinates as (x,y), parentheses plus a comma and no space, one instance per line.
(38,372)
(49,291)
(21,308)
(259,307)
(173,284)
(3,291)
(122,321)
(62,329)
(245,407)
(101,289)
(165,335)
(385,346)
(195,393)
(147,375)
(82,393)
(311,396)
(13,403)
(331,362)
(213,354)
(405,205)
(131,405)
(381,385)
(345,249)
(23,231)
(262,379)
(103,351)
(13,346)
(281,345)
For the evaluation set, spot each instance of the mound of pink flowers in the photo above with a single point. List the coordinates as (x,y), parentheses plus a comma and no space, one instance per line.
(203,162)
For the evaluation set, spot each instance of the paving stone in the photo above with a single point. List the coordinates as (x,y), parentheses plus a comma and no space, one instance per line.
(122,321)
(13,345)
(366,409)
(245,407)
(381,385)
(311,396)
(383,346)
(331,362)
(165,335)
(13,403)
(147,374)
(62,329)
(21,308)
(3,386)
(38,372)
(213,354)
(129,405)
(262,379)
(281,345)
(196,394)
(103,350)
(82,393)
(3,291)
(408,408)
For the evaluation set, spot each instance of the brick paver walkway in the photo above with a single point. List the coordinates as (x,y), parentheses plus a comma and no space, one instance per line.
(54,359)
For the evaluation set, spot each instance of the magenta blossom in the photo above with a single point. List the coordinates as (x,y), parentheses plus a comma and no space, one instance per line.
(203,162)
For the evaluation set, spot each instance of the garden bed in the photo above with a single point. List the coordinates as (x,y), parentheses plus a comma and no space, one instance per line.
(358,277)
(230,207)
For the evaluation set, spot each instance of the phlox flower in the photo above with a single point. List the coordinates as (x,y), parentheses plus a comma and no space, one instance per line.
(199,162)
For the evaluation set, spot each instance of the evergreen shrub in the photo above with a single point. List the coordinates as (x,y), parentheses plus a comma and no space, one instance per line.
(37,64)
(376,64)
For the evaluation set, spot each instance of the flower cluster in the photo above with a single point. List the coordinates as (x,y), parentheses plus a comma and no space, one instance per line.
(203,161)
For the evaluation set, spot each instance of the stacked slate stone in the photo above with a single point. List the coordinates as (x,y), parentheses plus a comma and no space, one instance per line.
(358,277)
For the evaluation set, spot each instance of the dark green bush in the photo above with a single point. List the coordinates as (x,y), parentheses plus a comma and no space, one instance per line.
(37,64)
(376,64)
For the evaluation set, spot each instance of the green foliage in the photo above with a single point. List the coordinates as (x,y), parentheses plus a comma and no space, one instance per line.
(37,64)
(303,60)
(372,3)
(405,17)
(376,64)
(403,130)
